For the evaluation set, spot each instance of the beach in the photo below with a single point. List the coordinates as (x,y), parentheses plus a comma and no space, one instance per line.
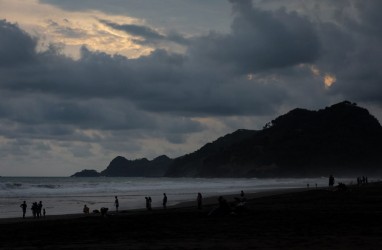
(298,219)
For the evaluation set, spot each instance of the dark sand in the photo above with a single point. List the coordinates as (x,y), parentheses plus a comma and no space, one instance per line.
(312,219)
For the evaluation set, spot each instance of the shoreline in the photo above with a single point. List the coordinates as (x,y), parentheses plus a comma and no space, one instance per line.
(207,201)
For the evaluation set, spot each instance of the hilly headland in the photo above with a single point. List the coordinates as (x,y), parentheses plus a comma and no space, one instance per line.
(343,139)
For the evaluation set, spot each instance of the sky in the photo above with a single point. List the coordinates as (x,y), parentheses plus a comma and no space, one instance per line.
(84,81)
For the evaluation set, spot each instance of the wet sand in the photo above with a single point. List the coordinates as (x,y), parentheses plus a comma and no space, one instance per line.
(302,219)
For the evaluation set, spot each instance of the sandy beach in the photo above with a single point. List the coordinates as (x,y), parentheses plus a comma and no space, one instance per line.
(292,219)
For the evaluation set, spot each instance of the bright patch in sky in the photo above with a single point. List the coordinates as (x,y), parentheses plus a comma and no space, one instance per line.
(329,80)
(70,30)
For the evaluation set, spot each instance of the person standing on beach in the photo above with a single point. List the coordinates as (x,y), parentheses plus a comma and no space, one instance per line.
(24,208)
(39,209)
(34,209)
(331,181)
(116,203)
(150,208)
(199,200)
(164,200)
(147,202)
(86,209)
(242,196)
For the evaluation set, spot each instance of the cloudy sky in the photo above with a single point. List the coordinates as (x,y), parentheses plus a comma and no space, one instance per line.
(82,81)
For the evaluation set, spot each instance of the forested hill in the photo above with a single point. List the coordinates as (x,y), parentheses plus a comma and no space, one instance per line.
(343,139)
(122,167)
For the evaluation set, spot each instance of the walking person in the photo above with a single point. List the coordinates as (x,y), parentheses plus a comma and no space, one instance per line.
(199,200)
(116,203)
(164,200)
(24,208)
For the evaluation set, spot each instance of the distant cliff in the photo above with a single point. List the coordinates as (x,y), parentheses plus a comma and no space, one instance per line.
(122,167)
(342,139)
(86,173)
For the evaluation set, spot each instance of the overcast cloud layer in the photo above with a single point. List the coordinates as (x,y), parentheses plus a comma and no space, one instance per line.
(60,114)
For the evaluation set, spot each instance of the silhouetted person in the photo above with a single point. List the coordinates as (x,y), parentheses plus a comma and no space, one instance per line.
(44,212)
(150,208)
(86,209)
(24,208)
(34,209)
(39,209)
(242,197)
(199,199)
(164,200)
(104,211)
(331,181)
(116,204)
(147,203)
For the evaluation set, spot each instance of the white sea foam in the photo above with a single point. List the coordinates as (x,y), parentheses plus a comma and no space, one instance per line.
(68,195)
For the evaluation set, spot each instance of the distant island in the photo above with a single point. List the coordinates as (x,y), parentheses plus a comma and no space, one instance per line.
(343,139)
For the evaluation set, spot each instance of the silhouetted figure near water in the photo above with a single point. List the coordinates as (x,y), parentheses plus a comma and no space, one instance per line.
(34,209)
(24,208)
(342,187)
(164,200)
(86,209)
(242,197)
(150,208)
(199,199)
(362,180)
(148,203)
(44,212)
(116,204)
(331,181)
(104,211)
(39,209)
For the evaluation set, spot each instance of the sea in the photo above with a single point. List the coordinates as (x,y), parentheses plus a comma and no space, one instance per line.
(68,195)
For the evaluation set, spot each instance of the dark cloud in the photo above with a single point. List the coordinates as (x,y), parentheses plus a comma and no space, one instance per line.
(261,40)
(16,47)
(135,30)
(149,35)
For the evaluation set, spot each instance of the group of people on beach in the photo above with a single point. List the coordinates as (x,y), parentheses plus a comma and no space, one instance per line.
(37,209)
(199,198)
(362,180)
(223,206)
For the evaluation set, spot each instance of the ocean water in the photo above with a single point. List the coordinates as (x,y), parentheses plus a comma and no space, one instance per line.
(65,195)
